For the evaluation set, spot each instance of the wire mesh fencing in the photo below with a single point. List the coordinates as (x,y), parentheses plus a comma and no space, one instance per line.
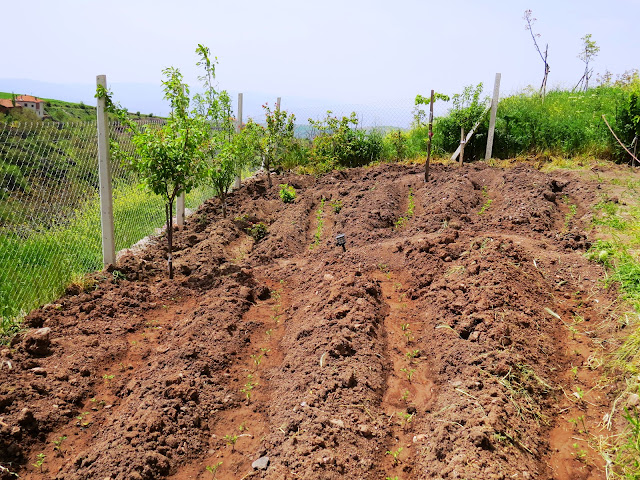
(50,231)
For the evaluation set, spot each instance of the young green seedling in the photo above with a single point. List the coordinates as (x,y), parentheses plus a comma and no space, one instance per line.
(231,440)
(257,359)
(409,372)
(395,454)
(213,469)
(248,387)
(40,460)
(57,444)
(411,354)
(405,395)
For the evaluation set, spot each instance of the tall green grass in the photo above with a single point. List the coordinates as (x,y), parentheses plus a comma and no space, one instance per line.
(619,226)
(36,268)
(565,123)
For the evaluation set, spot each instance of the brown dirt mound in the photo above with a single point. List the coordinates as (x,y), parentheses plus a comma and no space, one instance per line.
(452,339)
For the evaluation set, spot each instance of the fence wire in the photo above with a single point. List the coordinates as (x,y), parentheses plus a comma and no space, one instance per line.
(50,232)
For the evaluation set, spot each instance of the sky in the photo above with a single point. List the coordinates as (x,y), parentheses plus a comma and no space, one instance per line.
(315,55)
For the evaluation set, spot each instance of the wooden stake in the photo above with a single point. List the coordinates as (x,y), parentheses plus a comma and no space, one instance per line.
(426,169)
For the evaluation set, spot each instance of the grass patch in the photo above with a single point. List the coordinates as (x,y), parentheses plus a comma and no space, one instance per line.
(618,226)
(36,267)
(411,206)
(319,225)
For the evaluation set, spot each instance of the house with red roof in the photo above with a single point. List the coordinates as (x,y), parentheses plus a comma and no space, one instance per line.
(6,105)
(32,103)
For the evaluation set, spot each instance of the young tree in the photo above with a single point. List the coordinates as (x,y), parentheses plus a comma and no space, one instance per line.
(589,51)
(232,156)
(277,138)
(528,17)
(468,106)
(168,157)
(215,107)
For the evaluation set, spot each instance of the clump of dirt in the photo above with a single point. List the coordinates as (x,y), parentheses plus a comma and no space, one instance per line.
(452,339)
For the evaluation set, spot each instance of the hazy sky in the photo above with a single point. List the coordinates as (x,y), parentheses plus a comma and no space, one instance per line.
(349,51)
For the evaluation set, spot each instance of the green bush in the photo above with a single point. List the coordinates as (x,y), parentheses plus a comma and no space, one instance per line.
(11,180)
(339,143)
(258,231)
(287,193)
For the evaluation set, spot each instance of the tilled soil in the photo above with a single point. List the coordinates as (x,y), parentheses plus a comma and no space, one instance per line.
(459,342)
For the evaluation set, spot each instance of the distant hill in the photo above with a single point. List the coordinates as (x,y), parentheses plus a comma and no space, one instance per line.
(61,111)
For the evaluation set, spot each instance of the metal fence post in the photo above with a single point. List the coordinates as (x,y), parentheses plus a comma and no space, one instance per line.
(104,169)
(492,118)
(278,103)
(238,129)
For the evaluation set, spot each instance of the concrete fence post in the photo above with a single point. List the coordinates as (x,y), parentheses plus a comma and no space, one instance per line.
(492,118)
(104,171)
(180,210)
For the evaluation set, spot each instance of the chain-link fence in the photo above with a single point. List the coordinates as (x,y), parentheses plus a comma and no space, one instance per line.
(50,233)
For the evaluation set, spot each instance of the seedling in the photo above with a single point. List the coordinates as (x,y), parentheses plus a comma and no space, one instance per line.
(409,372)
(579,393)
(395,454)
(57,444)
(580,420)
(81,420)
(405,418)
(574,370)
(118,275)
(231,440)
(405,395)
(258,231)
(411,354)
(287,193)
(406,332)
(40,460)
(579,453)
(487,202)
(213,469)
(257,359)
(336,205)
(269,332)
(411,205)
(320,224)
(248,387)
(391,478)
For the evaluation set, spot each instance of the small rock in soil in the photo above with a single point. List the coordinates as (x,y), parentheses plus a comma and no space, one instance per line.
(261,464)
(37,342)
(337,422)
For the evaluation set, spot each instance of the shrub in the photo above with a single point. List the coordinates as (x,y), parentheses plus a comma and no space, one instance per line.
(258,231)
(287,193)
(340,143)
(11,180)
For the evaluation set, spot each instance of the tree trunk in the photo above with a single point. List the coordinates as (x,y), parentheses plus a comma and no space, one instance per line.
(223,197)
(169,214)
(268,166)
